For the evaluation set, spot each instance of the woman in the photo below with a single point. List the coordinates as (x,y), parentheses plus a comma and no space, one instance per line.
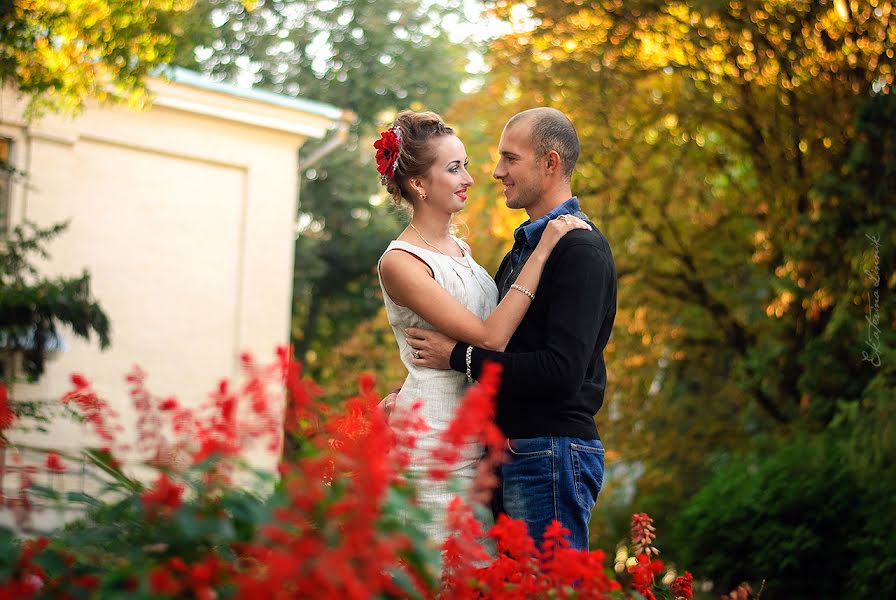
(429,280)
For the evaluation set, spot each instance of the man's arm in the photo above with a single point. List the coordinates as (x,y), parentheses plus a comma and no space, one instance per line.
(582,292)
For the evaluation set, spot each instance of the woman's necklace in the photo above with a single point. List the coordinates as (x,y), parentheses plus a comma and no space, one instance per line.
(466,261)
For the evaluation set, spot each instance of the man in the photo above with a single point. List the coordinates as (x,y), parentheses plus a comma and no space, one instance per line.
(554,375)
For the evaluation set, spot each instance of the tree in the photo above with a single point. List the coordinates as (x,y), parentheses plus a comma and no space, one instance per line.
(60,53)
(369,57)
(736,155)
(33,307)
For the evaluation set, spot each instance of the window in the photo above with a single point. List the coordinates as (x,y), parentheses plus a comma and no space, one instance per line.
(6,175)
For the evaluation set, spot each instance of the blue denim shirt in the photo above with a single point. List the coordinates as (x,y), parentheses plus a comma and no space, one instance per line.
(527,235)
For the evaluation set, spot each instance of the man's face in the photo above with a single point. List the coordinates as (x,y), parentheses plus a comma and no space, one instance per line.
(518,167)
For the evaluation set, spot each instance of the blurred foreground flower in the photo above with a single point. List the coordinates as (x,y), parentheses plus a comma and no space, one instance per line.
(329,524)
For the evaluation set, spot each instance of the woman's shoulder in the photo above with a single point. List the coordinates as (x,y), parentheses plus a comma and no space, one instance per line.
(402,259)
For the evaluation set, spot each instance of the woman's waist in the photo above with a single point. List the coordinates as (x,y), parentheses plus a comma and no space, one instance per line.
(434,380)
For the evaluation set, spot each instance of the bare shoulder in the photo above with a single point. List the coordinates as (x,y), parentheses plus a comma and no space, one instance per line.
(398,265)
(404,274)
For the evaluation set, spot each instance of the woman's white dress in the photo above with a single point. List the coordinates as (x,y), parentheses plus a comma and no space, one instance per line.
(440,391)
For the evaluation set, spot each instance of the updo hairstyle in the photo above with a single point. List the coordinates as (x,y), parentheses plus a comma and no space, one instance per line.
(416,154)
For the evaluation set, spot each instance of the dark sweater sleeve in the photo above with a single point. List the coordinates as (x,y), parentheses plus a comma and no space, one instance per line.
(578,302)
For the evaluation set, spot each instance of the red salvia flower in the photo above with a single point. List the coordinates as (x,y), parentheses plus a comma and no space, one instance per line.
(163,494)
(643,574)
(7,415)
(90,582)
(643,534)
(94,409)
(461,551)
(162,582)
(473,423)
(682,588)
(335,535)
(512,538)
(54,463)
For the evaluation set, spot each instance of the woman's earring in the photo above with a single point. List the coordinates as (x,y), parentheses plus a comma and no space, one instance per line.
(422,196)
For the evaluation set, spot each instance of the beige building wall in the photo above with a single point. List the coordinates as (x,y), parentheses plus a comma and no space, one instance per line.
(184,216)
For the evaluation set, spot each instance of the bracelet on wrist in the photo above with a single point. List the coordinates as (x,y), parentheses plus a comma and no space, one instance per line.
(520,288)
(469,358)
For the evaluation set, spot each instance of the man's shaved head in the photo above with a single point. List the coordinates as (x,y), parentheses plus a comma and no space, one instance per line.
(550,129)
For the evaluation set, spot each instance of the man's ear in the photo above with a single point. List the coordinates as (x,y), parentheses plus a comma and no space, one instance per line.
(553,164)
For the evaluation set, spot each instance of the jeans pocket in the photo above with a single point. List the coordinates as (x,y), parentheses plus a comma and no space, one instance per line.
(528,482)
(588,470)
(530,446)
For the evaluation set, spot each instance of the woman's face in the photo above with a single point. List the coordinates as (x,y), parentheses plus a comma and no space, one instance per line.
(447,180)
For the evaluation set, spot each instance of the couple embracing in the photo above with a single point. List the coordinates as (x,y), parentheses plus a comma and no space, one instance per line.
(545,317)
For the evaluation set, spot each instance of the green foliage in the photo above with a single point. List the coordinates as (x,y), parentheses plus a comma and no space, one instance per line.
(369,57)
(335,285)
(59,54)
(118,539)
(33,307)
(738,156)
(809,517)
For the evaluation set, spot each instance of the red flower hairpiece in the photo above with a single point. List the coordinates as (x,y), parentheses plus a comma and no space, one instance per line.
(387,149)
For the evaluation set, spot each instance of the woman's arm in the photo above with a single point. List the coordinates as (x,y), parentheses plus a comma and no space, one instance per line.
(409,283)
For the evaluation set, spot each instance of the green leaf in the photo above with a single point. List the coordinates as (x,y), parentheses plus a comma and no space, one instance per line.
(104,460)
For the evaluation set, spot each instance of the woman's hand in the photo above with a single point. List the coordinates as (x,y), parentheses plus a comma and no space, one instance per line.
(387,404)
(556,229)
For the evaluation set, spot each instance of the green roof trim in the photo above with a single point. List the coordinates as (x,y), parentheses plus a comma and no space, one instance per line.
(198,80)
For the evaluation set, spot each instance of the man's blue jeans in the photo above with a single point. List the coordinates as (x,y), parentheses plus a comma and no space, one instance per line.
(551,478)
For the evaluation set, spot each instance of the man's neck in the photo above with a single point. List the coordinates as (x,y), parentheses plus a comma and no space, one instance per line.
(548,203)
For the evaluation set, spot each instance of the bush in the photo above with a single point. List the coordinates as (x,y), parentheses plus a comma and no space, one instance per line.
(812,520)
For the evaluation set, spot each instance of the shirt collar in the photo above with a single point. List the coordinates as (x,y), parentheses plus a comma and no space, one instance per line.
(529,233)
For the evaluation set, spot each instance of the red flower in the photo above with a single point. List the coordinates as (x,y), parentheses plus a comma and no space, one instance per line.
(163,493)
(168,404)
(643,534)
(461,551)
(162,582)
(366,382)
(387,149)
(178,564)
(512,538)
(643,574)
(79,381)
(7,415)
(54,463)
(473,422)
(681,587)
(90,582)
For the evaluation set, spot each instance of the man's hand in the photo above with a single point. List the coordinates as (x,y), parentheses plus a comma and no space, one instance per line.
(430,348)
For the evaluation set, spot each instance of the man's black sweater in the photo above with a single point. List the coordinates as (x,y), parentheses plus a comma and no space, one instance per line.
(554,376)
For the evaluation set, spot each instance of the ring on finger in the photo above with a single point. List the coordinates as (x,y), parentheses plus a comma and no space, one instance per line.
(417,354)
